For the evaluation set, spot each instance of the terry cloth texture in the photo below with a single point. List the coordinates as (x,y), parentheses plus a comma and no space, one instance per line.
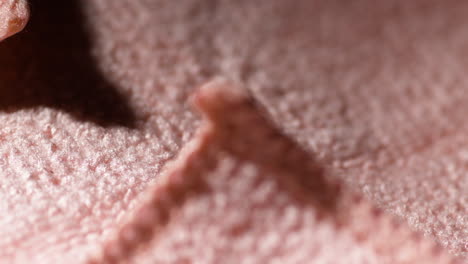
(225,201)
(93,104)
(13,17)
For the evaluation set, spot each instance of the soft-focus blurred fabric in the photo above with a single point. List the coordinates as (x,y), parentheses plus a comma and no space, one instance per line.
(94,103)
(14,15)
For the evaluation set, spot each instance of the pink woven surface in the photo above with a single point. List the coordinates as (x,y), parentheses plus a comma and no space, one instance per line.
(13,17)
(224,201)
(93,103)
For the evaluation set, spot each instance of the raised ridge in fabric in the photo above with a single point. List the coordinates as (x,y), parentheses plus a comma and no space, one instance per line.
(240,182)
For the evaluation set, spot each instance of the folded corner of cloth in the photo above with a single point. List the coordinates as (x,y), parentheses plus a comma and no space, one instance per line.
(14,15)
(223,200)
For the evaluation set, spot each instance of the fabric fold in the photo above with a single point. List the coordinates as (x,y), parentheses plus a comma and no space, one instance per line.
(14,15)
(241,192)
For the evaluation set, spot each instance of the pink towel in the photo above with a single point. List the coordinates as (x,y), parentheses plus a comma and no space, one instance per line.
(339,139)
(13,17)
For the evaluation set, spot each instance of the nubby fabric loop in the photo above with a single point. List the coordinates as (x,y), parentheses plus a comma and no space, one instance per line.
(14,15)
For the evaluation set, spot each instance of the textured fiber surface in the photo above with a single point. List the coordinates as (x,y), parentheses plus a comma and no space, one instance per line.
(14,15)
(92,107)
(223,201)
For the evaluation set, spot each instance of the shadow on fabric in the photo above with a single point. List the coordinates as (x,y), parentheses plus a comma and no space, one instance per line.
(50,64)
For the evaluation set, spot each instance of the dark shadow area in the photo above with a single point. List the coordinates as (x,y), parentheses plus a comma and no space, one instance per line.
(50,64)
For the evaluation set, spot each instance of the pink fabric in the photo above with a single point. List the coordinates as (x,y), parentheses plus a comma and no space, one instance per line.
(93,104)
(225,201)
(13,17)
